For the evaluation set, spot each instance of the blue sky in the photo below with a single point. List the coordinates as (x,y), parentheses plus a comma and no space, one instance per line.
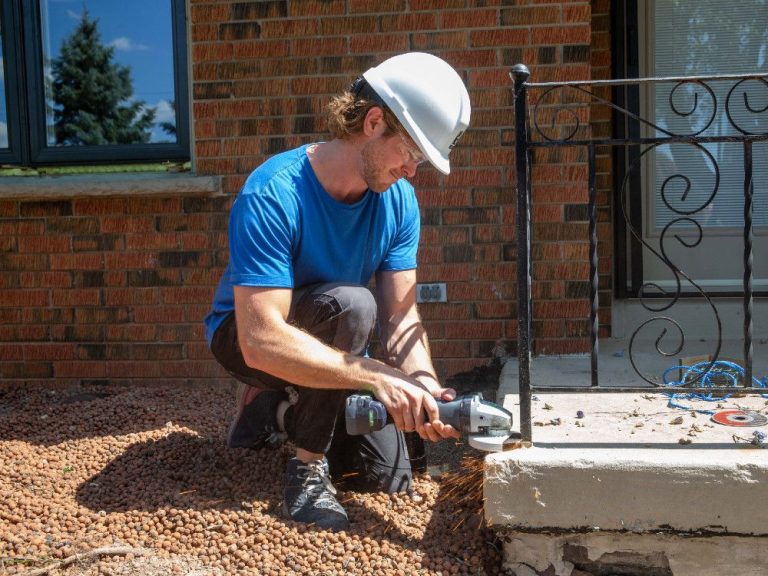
(139,31)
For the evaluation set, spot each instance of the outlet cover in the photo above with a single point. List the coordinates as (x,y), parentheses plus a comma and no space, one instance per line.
(431,292)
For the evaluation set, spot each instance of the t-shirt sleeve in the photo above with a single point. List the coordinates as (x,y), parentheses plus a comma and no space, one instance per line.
(261,237)
(402,252)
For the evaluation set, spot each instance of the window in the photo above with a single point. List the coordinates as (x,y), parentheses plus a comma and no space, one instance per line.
(701,39)
(676,203)
(92,81)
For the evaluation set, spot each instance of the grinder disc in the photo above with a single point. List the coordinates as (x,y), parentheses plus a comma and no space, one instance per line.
(739,418)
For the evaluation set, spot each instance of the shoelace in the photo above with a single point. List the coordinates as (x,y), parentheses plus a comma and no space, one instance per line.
(315,471)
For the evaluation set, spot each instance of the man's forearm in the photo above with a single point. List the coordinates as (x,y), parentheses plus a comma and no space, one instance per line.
(407,348)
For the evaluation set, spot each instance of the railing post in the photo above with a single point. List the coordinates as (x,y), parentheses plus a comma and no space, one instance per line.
(520,74)
(748,197)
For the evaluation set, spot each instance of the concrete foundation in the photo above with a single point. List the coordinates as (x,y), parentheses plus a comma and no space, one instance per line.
(622,554)
(629,485)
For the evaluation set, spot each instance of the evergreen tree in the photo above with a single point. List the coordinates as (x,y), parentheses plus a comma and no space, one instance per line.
(92,94)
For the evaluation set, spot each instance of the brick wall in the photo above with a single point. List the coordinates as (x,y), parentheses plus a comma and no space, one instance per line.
(115,289)
(108,290)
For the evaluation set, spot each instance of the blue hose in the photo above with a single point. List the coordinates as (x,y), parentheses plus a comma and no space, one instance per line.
(720,369)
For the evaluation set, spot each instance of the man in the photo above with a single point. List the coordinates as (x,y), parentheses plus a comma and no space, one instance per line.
(292,316)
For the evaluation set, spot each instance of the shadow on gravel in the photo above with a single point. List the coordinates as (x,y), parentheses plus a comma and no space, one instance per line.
(186,471)
(48,416)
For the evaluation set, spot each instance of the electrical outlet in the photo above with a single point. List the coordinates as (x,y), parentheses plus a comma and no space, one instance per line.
(431,293)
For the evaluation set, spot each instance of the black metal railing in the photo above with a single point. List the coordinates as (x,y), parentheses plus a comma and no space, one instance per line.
(556,121)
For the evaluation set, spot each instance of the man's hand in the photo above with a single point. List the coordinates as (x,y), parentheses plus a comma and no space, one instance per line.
(414,409)
(436,430)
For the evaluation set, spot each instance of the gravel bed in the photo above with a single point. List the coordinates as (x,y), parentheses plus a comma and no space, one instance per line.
(139,481)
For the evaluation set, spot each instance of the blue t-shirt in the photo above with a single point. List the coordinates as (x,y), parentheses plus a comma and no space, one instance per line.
(286,231)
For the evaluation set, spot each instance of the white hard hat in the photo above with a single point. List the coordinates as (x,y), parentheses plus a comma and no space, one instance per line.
(428,98)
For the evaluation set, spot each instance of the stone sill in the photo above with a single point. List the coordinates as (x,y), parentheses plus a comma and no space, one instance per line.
(630,463)
(108,184)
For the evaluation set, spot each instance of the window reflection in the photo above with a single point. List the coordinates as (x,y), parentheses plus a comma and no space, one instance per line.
(109,72)
(3,100)
(702,39)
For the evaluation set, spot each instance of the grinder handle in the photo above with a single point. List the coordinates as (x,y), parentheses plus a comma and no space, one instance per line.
(365,414)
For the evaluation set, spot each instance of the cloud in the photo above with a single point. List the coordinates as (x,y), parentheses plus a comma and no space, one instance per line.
(124,44)
(164,112)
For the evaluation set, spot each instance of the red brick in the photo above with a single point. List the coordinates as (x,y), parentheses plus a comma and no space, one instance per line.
(80,369)
(475,329)
(561,309)
(194,312)
(480,18)
(218,52)
(437,4)
(48,351)
(289,28)
(137,369)
(378,43)
(488,310)
(573,13)
(445,311)
(438,273)
(10,351)
(186,295)
(130,261)
(408,22)
(123,223)
(130,296)
(575,34)
(45,279)
(324,8)
(76,297)
(453,39)
(44,244)
(530,15)
(376,6)
(482,58)
(131,333)
(209,13)
(450,348)
(158,314)
(499,37)
(97,206)
(76,261)
(255,50)
(319,46)
(157,240)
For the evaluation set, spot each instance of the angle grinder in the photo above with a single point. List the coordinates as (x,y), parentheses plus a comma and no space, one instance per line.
(487,426)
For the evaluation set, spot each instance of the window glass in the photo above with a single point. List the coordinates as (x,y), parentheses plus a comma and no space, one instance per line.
(703,39)
(3,99)
(109,72)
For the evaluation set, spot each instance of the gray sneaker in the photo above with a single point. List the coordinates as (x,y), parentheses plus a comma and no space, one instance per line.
(255,424)
(311,498)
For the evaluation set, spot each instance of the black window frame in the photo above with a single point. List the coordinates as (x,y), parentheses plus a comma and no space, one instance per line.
(25,98)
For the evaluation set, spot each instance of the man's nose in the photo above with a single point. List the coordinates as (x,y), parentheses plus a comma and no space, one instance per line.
(409,168)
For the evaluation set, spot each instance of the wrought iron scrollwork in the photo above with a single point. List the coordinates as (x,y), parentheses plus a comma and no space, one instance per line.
(694,102)
(663,299)
(748,106)
(677,99)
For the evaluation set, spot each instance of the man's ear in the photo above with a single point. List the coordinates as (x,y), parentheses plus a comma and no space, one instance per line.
(374,122)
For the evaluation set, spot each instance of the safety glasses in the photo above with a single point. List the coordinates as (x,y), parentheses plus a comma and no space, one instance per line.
(412,153)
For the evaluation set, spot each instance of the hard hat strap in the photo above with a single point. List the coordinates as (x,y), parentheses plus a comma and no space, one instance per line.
(363,91)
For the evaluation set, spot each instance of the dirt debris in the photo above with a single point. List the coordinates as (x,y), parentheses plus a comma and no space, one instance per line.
(147,469)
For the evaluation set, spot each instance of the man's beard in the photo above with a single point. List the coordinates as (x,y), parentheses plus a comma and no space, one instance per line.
(376,178)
